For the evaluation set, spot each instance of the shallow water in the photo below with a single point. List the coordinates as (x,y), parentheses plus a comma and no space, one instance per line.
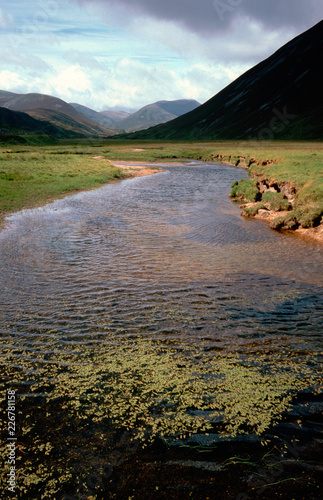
(163,262)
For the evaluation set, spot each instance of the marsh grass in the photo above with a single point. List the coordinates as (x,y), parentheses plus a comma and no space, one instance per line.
(29,179)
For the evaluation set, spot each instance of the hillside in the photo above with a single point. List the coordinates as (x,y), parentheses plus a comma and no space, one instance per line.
(280,98)
(93,115)
(107,118)
(15,124)
(158,112)
(115,115)
(54,110)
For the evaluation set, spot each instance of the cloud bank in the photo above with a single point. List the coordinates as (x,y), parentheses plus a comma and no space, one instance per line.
(211,17)
(129,53)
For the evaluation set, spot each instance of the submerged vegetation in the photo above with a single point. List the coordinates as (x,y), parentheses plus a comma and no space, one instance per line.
(150,390)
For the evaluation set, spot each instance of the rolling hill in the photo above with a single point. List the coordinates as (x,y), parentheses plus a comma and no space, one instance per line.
(158,112)
(14,125)
(279,98)
(56,111)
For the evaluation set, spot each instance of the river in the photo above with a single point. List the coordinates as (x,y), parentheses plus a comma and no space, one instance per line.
(152,305)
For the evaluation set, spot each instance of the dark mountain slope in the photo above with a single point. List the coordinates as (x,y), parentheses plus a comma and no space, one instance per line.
(18,123)
(280,98)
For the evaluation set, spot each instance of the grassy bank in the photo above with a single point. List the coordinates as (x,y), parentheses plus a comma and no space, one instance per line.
(32,178)
(33,175)
(289,182)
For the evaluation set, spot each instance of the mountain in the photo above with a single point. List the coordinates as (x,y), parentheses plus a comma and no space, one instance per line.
(95,116)
(15,124)
(108,118)
(115,115)
(158,112)
(279,98)
(55,111)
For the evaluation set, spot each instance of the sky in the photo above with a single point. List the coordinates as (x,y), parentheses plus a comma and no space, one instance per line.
(125,54)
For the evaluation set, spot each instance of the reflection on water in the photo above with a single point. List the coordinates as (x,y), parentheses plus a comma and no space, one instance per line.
(155,306)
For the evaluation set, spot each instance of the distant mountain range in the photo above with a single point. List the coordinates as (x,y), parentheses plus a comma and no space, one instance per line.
(280,98)
(56,111)
(54,117)
(108,118)
(158,112)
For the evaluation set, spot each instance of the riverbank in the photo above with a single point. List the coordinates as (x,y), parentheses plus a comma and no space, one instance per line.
(31,179)
(270,216)
(34,176)
(286,192)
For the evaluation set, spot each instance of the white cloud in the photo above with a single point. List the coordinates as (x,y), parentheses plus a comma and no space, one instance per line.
(70,80)
(10,80)
(101,55)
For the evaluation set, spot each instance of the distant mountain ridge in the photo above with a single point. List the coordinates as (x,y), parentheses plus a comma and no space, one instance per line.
(82,121)
(115,115)
(158,112)
(54,110)
(279,98)
(108,118)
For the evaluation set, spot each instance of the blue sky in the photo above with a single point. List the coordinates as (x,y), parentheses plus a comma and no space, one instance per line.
(128,53)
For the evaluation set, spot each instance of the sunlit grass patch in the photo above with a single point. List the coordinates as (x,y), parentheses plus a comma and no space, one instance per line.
(246,189)
(29,179)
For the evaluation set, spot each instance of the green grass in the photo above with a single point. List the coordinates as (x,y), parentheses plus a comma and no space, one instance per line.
(301,166)
(246,189)
(252,211)
(32,178)
(305,172)
(276,201)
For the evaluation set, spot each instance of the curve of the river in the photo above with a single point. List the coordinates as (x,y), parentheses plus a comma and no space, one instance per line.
(154,302)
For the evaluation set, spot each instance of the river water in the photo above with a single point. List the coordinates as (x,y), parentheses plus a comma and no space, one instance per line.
(154,305)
